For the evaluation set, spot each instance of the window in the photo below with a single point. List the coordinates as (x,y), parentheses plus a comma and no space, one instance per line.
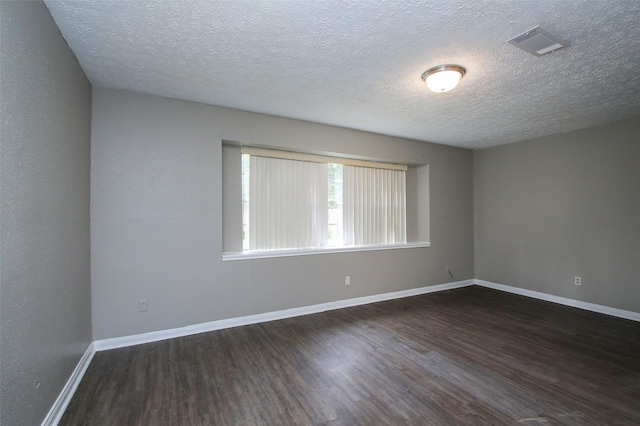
(300,201)
(235,205)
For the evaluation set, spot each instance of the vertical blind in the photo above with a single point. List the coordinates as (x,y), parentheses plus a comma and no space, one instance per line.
(288,202)
(373,206)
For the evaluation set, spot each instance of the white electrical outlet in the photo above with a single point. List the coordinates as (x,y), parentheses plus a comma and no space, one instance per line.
(347,280)
(142,305)
(577,281)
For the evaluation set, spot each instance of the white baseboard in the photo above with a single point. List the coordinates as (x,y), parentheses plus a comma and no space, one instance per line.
(620,313)
(120,342)
(61,403)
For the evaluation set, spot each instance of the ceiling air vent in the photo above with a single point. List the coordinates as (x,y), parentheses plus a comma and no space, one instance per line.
(538,41)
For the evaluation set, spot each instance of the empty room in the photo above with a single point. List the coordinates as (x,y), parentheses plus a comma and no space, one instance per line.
(300,212)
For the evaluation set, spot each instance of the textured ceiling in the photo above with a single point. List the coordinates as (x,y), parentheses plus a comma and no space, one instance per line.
(358,63)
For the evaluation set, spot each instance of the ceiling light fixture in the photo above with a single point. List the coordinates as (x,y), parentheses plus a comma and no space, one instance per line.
(443,77)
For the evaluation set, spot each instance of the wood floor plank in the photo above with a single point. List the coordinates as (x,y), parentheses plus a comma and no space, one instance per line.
(471,356)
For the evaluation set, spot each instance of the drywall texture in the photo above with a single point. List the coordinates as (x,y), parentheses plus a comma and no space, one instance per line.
(358,64)
(553,208)
(157,226)
(44,213)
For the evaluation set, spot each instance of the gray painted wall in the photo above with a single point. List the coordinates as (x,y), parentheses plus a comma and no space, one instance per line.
(157,217)
(44,213)
(568,205)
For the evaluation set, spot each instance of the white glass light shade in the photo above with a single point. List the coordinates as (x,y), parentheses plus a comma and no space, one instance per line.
(443,77)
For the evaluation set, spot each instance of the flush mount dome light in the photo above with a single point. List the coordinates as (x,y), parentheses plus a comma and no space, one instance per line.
(443,77)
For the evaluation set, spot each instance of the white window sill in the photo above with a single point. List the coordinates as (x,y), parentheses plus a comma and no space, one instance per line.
(246,255)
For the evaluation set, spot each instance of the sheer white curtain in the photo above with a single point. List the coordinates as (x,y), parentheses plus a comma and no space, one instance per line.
(288,203)
(373,206)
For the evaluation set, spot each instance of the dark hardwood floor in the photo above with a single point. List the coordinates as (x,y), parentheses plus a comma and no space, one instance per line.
(471,356)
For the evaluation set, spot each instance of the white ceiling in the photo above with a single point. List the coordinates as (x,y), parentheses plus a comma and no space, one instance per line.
(358,63)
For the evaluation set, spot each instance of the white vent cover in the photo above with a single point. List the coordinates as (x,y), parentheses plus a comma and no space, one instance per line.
(538,41)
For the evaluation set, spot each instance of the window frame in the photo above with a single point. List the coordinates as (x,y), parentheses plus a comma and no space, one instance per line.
(417,194)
